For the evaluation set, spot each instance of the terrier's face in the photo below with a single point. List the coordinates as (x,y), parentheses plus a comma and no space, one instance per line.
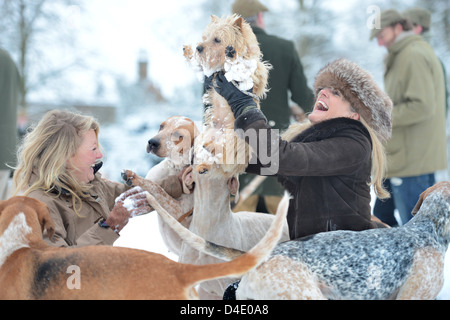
(224,38)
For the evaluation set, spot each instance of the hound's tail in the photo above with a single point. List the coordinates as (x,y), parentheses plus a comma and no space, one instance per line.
(243,262)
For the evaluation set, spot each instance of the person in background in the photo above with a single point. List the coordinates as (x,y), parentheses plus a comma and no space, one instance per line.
(414,80)
(328,164)
(287,82)
(421,20)
(58,164)
(9,100)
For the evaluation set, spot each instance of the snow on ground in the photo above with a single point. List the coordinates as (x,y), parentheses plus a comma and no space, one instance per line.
(142,233)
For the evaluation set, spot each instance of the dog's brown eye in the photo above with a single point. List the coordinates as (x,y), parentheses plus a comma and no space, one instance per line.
(217,40)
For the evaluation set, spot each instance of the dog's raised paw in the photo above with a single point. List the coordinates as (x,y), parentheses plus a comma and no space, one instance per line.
(127,177)
(187,51)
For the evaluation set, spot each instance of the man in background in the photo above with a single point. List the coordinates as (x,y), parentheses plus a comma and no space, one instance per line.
(9,96)
(287,82)
(414,80)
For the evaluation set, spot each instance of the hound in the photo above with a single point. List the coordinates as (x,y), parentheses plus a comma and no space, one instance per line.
(213,218)
(397,263)
(173,142)
(31,269)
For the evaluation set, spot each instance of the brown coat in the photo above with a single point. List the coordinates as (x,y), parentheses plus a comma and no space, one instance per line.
(72,230)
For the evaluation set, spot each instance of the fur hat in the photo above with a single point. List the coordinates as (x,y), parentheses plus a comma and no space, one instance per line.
(360,90)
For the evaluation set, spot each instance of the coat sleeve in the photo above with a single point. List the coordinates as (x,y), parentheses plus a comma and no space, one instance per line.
(334,156)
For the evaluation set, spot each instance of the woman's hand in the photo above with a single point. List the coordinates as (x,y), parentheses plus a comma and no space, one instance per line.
(238,100)
(129,204)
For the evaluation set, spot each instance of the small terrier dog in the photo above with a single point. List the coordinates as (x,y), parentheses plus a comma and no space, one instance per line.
(229,45)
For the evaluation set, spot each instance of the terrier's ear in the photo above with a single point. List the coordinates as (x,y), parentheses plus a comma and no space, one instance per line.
(214,18)
(238,23)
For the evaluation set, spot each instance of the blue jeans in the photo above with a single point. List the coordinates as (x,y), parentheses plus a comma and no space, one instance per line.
(406,192)
(384,209)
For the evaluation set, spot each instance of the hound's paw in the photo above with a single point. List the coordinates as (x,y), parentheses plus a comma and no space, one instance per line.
(203,168)
(128,177)
(188,53)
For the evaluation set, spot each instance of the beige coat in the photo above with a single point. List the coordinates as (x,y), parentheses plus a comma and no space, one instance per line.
(414,80)
(81,230)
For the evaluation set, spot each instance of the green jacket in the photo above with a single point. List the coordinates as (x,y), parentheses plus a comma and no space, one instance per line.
(414,80)
(287,76)
(9,96)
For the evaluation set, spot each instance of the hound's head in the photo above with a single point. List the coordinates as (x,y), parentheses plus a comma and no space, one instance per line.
(174,139)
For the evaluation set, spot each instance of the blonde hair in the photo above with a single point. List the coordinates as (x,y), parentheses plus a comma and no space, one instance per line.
(378,155)
(378,163)
(44,152)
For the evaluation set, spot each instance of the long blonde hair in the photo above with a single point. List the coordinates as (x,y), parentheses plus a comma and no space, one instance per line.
(378,155)
(378,163)
(44,152)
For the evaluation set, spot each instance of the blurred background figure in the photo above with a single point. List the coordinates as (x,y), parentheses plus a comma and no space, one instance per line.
(9,99)
(414,80)
(289,97)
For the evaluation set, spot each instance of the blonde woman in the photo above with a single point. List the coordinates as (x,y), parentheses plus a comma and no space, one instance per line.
(328,165)
(58,163)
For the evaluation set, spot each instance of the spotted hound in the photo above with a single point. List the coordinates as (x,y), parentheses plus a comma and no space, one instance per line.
(396,263)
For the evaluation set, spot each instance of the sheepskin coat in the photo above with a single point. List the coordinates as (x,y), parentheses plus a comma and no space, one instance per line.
(326,169)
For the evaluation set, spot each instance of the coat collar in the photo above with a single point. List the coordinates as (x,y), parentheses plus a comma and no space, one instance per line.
(329,128)
(64,191)
(402,41)
(257,30)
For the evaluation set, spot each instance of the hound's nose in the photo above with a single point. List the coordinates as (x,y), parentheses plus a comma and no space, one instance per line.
(200,49)
(152,145)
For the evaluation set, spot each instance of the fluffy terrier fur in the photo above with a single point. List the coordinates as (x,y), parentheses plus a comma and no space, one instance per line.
(229,45)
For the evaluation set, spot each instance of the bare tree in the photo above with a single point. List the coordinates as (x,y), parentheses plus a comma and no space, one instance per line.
(29,30)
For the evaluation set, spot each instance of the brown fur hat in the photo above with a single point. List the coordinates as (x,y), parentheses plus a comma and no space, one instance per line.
(360,90)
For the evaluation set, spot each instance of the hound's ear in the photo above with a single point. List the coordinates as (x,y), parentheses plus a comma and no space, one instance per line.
(233,186)
(45,220)
(187,180)
(2,205)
